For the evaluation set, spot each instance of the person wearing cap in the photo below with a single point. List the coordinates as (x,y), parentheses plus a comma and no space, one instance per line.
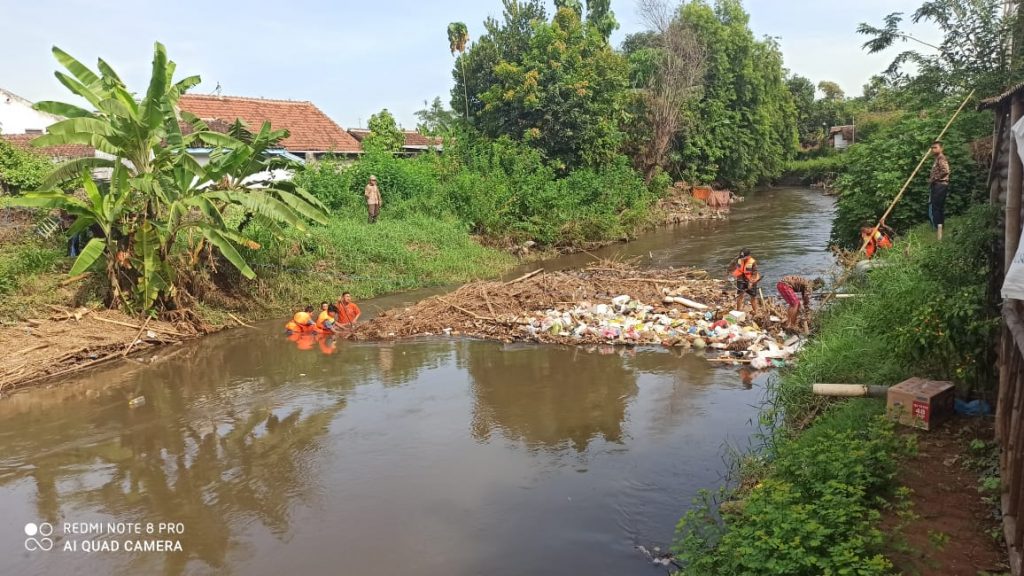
(788,287)
(372,194)
(744,270)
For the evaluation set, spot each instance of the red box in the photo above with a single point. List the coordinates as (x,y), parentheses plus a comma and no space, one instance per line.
(921,403)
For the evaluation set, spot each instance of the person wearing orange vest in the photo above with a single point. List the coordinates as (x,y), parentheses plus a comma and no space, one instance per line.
(745,272)
(873,239)
(348,311)
(301,322)
(326,320)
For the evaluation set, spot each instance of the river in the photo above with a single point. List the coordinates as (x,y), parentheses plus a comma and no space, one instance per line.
(428,457)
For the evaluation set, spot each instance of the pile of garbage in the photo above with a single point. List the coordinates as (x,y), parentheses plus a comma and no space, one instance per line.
(607,303)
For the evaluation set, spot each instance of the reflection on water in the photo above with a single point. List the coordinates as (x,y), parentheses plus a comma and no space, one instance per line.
(432,456)
(561,400)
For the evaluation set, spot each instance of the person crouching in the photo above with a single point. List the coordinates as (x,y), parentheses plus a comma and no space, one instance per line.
(788,287)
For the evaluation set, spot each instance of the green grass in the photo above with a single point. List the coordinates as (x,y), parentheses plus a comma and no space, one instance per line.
(923,314)
(814,511)
(28,267)
(368,260)
(814,505)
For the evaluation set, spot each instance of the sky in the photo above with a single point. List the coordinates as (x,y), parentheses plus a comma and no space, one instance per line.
(352,58)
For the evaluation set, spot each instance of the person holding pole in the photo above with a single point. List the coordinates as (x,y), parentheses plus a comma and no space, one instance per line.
(938,184)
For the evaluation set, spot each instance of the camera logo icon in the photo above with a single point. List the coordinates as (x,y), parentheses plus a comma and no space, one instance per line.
(38,537)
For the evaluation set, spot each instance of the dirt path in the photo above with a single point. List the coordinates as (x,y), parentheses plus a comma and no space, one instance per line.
(949,532)
(71,340)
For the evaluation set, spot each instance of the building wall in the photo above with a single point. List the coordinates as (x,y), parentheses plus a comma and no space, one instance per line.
(839,142)
(18,117)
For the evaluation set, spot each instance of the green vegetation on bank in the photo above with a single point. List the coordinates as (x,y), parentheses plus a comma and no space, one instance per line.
(498,189)
(873,172)
(814,509)
(816,170)
(815,506)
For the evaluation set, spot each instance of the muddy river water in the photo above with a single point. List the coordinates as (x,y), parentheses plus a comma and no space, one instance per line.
(430,457)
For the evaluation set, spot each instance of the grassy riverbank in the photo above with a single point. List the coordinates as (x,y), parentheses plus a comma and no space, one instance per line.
(810,502)
(299,267)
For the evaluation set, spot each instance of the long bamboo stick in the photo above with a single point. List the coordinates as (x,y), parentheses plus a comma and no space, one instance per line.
(906,185)
(924,158)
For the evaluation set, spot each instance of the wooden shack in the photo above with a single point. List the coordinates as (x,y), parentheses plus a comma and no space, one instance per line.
(1005,191)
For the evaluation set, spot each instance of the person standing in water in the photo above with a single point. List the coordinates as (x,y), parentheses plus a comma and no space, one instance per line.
(938,185)
(744,270)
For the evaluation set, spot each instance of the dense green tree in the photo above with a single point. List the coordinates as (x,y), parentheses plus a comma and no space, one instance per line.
(384,133)
(746,125)
(435,119)
(506,39)
(974,52)
(808,126)
(557,85)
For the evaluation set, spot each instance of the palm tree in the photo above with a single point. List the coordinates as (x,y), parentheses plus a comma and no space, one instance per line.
(458,37)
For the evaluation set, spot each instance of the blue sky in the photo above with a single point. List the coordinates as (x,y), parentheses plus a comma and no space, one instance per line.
(353,58)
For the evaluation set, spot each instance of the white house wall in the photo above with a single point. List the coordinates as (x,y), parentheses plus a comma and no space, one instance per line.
(18,117)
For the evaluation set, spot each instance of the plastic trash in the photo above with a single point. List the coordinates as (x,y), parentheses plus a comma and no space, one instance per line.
(972,408)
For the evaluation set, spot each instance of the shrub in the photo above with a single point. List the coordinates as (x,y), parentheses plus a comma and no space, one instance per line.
(819,169)
(814,513)
(498,188)
(876,170)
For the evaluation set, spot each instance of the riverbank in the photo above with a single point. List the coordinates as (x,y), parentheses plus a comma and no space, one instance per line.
(811,501)
(42,309)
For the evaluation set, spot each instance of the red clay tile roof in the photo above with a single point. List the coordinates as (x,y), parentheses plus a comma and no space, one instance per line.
(60,152)
(413,139)
(310,129)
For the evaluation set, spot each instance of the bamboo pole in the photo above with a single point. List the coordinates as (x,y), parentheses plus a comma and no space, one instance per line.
(899,195)
(906,185)
(1013,188)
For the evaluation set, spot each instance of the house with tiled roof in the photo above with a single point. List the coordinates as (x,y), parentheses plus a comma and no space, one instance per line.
(415,143)
(58,153)
(312,134)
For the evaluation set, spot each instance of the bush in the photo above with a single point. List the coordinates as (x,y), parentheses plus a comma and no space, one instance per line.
(925,313)
(29,258)
(498,188)
(814,170)
(21,170)
(876,170)
(815,512)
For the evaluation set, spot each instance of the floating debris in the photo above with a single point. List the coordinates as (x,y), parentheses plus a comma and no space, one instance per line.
(607,303)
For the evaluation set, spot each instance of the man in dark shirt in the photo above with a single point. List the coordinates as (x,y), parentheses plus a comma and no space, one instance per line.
(938,183)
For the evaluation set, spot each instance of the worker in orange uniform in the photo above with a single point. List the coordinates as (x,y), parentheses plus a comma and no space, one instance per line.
(873,239)
(301,322)
(348,311)
(744,270)
(325,322)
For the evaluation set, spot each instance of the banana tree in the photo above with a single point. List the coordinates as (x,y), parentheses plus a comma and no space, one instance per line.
(157,190)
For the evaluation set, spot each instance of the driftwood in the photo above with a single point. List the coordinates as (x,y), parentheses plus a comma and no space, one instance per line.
(129,325)
(525,276)
(137,336)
